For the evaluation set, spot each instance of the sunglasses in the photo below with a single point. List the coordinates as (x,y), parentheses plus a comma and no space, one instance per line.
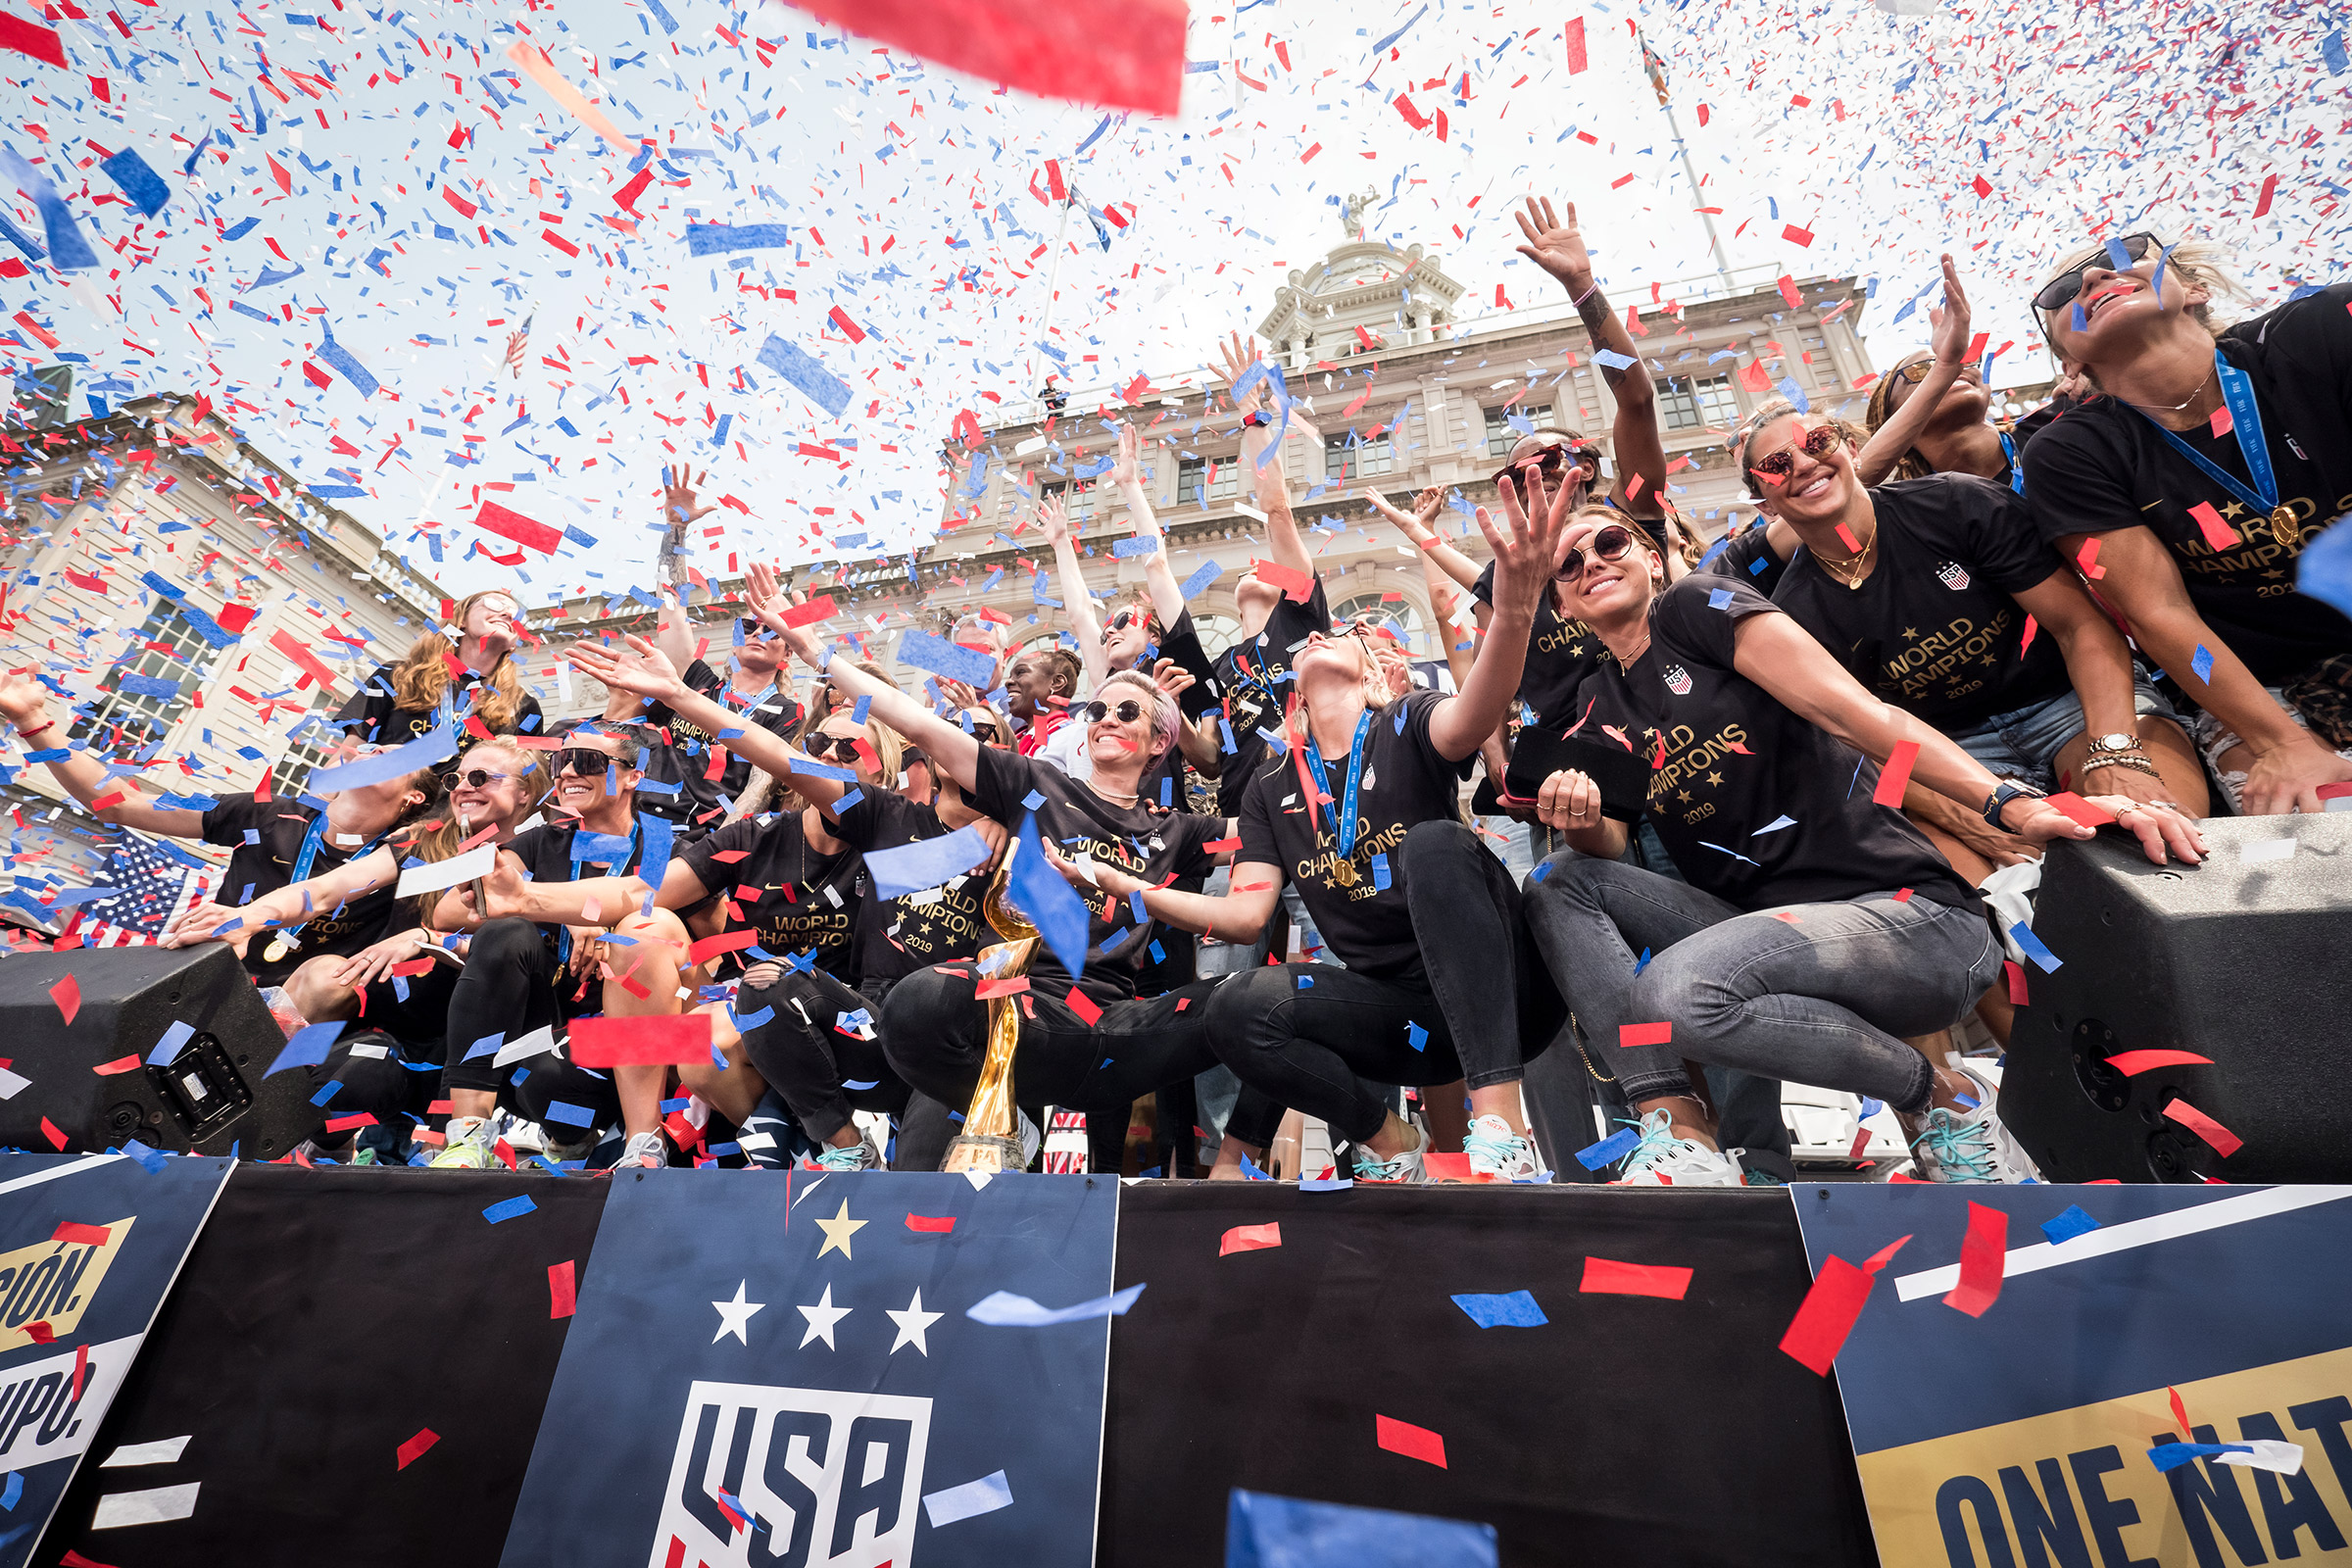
(1917,371)
(1816,443)
(2069,283)
(1610,544)
(585,761)
(481,778)
(1127,712)
(840,748)
(1120,623)
(1551,461)
(751,626)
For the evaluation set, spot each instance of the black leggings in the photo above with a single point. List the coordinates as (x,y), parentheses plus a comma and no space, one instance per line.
(935,1035)
(813,1066)
(513,984)
(1329,1041)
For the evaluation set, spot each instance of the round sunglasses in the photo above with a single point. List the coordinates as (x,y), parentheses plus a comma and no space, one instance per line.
(481,778)
(1779,464)
(1095,712)
(1610,544)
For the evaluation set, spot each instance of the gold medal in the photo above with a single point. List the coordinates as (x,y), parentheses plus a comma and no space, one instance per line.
(2285,528)
(1344,872)
(277,949)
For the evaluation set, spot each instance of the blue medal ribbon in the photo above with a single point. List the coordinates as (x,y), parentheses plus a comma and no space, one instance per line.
(2017,474)
(1344,830)
(2245,424)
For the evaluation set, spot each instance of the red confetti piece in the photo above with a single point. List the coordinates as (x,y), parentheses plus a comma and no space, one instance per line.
(67,994)
(509,524)
(119,1065)
(21,36)
(40,1333)
(1446,1167)
(79,1235)
(2219,535)
(2080,810)
(1295,584)
(411,1450)
(849,329)
(1796,235)
(2180,1410)
(1251,1238)
(2223,422)
(563,1289)
(2088,561)
(1645,1034)
(931,1224)
(1607,1277)
(680,1038)
(2132,1063)
(2269,188)
(1896,776)
(344,1124)
(1414,1443)
(1010,986)
(2225,1141)
(815,609)
(49,1130)
(1577,59)
(1123,54)
(2026,642)
(1083,1006)
(74,1559)
(2015,975)
(1984,1255)
(81,1368)
(709,948)
(1827,1315)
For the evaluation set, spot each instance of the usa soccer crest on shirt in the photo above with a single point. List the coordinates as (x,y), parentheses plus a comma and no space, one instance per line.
(1951,574)
(1678,680)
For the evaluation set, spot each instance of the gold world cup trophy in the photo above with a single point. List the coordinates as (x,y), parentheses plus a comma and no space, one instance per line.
(989,1141)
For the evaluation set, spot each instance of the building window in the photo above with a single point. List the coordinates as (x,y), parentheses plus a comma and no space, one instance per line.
(1216,632)
(1345,458)
(313,743)
(1077,498)
(1698,403)
(1814,344)
(1198,485)
(165,647)
(1500,437)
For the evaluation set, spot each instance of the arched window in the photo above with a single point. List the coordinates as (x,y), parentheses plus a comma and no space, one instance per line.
(1216,632)
(1380,609)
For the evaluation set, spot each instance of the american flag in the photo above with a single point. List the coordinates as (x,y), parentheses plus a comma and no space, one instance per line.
(516,341)
(151,888)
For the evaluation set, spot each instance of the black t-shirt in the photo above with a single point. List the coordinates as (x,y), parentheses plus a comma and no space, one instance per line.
(266,862)
(686,760)
(1561,655)
(895,937)
(799,899)
(374,714)
(1250,679)
(1932,629)
(1141,840)
(2103,466)
(1756,804)
(1404,782)
(1739,557)
(1170,780)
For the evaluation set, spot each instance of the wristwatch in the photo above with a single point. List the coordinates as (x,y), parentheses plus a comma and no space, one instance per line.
(2117,742)
(1999,801)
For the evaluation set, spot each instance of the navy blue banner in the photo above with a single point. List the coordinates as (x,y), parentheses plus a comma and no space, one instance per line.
(784,1371)
(89,1246)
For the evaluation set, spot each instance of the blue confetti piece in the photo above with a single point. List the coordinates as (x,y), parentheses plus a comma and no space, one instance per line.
(1251,1172)
(509,1208)
(1718,598)
(854,1083)
(1318,1183)
(1124,548)
(332,1087)
(863,706)
(487,1045)
(307,1049)
(569,1115)
(165,1048)
(150,1160)
(941,657)
(2069,1225)
(2203,663)
(2173,1455)
(815,382)
(1208,573)
(1640,963)
(1609,1150)
(927,864)
(13,1489)
(350,369)
(670,24)
(1380,873)
(2118,257)
(1756,568)
(1516,1310)
(745,1022)
(2023,935)
(716,239)
(1416,1036)
(1305,982)
(1870,1107)
(2331,50)
(143,184)
(2323,571)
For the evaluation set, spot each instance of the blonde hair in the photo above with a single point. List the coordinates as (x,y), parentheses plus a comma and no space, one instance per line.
(1164,714)
(421,677)
(765,792)
(2198,262)
(439,840)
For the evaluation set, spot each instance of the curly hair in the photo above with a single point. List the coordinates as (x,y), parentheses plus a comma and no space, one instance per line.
(421,677)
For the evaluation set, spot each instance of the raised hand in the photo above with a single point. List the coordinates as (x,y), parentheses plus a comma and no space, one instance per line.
(1239,356)
(1525,556)
(1055,519)
(1556,247)
(21,700)
(1950,320)
(1416,526)
(644,671)
(1126,467)
(679,508)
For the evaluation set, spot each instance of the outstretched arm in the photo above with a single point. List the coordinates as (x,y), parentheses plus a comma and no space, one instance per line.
(1159,579)
(1522,574)
(1055,521)
(1268,475)
(83,775)
(288,907)
(1559,249)
(1421,528)
(1886,447)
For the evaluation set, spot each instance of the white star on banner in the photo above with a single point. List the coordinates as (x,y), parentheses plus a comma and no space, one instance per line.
(735,1316)
(912,1324)
(821,1318)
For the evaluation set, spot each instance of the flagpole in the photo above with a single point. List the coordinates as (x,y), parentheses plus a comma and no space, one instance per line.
(1061,234)
(1655,68)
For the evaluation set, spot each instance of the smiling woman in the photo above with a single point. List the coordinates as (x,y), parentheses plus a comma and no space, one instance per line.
(422,693)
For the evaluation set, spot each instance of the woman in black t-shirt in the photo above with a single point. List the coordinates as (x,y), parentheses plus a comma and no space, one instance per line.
(2187,491)
(1945,600)
(1362,815)
(1818,929)
(472,686)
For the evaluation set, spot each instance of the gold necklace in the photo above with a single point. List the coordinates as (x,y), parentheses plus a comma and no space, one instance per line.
(1857,561)
(2175,408)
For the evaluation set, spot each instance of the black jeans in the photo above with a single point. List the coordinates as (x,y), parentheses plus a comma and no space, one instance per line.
(1327,1041)
(935,1036)
(1814,993)
(513,984)
(812,1064)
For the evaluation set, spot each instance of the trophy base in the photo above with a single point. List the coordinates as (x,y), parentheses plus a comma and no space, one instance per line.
(983,1151)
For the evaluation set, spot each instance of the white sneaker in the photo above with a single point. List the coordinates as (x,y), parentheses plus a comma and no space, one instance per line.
(1661,1160)
(470,1146)
(643,1152)
(1406,1169)
(859,1155)
(1498,1152)
(1974,1147)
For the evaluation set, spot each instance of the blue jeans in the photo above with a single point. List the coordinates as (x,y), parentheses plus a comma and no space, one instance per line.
(1822,999)
(2025,744)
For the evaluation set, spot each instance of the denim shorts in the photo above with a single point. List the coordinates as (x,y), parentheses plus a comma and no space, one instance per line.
(2025,744)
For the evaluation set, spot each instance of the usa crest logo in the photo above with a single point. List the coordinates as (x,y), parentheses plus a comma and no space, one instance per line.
(1953,575)
(1678,680)
(815,1477)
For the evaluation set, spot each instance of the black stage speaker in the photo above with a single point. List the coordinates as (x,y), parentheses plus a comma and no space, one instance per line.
(2247,959)
(210,1095)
